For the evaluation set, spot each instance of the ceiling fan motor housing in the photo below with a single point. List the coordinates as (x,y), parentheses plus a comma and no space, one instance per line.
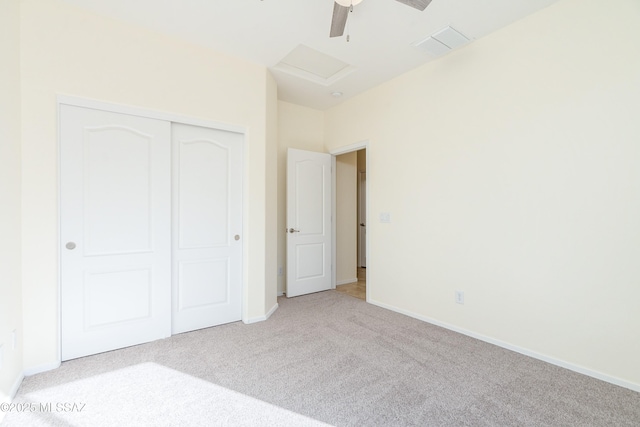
(347,3)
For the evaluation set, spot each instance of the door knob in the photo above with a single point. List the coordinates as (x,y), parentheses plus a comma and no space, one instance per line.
(237,237)
(70,245)
(291,230)
(362,224)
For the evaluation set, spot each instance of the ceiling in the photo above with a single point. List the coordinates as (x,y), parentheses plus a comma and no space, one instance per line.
(266,31)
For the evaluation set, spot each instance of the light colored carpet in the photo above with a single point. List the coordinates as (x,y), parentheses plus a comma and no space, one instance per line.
(148,395)
(335,359)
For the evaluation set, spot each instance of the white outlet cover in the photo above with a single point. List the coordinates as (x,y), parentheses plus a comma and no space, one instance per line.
(459,297)
(385,217)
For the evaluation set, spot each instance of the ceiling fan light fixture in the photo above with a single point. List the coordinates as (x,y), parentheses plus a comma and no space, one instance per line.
(347,3)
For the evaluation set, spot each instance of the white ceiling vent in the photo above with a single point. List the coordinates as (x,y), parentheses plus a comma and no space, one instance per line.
(317,67)
(442,41)
(432,46)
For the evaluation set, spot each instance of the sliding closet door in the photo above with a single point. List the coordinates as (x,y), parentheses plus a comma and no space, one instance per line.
(207,227)
(115,244)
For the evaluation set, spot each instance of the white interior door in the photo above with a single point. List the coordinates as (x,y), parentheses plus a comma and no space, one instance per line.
(207,227)
(115,248)
(308,222)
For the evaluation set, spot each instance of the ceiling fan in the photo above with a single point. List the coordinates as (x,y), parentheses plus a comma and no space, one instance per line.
(341,9)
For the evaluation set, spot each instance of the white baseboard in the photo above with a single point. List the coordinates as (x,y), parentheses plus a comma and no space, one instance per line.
(12,394)
(558,362)
(273,310)
(41,368)
(262,318)
(13,390)
(346,281)
(16,386)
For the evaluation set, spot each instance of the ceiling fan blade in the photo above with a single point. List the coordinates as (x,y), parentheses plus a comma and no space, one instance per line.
(417,4)
(339,20)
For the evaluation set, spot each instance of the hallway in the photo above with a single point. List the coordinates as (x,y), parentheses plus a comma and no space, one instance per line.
(357,289)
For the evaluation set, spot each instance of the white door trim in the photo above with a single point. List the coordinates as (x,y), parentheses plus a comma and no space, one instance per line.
(362,145)
(143,112)
(170,117)
(350,148)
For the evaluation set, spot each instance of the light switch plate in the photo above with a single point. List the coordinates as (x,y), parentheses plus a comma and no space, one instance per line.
(385,217)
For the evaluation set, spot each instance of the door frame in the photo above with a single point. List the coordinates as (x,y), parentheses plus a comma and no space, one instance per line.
(362,145)
(169,117)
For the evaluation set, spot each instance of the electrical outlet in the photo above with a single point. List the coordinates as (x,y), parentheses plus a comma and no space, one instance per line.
(279,271)
(385,217)
(460,297)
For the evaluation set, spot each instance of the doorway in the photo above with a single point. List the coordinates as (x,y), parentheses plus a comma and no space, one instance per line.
(351,221)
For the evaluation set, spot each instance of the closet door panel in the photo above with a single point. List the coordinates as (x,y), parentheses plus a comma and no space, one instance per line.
(207,227)
(115,245)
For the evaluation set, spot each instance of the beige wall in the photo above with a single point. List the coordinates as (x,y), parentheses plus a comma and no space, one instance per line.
(510,169)
(10,201)
(346,217)
(302,128)
(66,50)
